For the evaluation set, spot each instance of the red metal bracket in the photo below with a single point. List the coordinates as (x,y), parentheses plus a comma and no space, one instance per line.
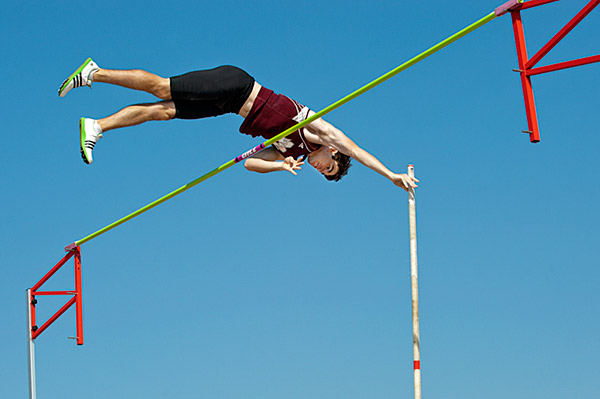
(76,298)
(526,65)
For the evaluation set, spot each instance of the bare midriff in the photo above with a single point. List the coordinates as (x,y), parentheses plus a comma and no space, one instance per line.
(245,110)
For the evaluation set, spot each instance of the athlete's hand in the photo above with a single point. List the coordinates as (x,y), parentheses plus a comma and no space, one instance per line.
(292,165)
(404,181)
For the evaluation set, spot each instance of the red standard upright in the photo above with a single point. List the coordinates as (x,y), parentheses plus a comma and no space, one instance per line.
(76,298)
(526,65)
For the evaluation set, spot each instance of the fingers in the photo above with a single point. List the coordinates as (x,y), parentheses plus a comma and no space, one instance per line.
(293,162)
(406,182)
(291,165)
(296,165)
(411,182)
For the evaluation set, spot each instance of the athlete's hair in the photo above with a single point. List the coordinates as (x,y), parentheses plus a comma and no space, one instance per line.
(344,164)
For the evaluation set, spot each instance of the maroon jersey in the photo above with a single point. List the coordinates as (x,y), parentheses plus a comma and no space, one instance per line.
(272,114)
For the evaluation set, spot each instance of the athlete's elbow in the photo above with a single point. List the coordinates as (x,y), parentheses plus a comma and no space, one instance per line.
(248,164)
(352,151)
(253,166)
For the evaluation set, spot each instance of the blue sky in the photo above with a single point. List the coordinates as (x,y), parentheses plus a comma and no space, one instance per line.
(271,286)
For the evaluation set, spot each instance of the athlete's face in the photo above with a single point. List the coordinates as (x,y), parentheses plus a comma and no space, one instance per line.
(322,160)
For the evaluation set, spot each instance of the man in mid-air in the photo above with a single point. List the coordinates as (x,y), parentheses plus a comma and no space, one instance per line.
(228,89)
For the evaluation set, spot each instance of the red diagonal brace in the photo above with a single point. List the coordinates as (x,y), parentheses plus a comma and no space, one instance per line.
(54,317)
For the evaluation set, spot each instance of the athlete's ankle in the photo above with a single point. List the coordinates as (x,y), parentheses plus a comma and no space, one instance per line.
(99,75)
(97,127)
(100,126)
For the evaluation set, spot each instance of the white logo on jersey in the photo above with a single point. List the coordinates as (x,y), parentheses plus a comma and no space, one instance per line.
(302,114)
(283,144)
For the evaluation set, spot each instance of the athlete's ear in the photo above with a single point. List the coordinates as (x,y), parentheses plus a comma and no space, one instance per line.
(331,150)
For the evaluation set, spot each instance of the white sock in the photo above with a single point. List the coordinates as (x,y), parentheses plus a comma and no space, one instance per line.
(97,128)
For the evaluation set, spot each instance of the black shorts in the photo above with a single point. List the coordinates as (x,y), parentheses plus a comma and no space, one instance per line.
(211,92)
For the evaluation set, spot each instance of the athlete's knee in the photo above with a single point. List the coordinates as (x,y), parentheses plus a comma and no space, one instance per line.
(162,89)
(163,111)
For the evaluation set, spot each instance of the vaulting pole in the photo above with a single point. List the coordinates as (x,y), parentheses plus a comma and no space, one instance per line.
(414,280)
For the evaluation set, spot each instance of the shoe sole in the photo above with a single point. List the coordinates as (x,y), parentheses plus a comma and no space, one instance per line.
(82,141)
(70,78)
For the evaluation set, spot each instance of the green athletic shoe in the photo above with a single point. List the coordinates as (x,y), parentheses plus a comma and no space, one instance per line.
(83,76)
(87,139)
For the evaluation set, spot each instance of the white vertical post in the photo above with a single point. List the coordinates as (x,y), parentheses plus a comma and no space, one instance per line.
(30,348)
(412,221)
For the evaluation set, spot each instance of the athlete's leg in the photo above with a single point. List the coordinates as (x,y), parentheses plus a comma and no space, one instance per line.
(136,79)
(139,113)
(91,130)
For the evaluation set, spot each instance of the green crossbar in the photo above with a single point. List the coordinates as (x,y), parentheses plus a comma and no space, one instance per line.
(292,129)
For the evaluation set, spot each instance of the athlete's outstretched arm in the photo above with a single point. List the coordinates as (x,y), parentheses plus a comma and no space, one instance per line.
(325,133)
(269,160)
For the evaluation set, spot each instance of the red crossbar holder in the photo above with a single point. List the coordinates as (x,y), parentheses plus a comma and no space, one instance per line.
(76,298)
(526,65)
